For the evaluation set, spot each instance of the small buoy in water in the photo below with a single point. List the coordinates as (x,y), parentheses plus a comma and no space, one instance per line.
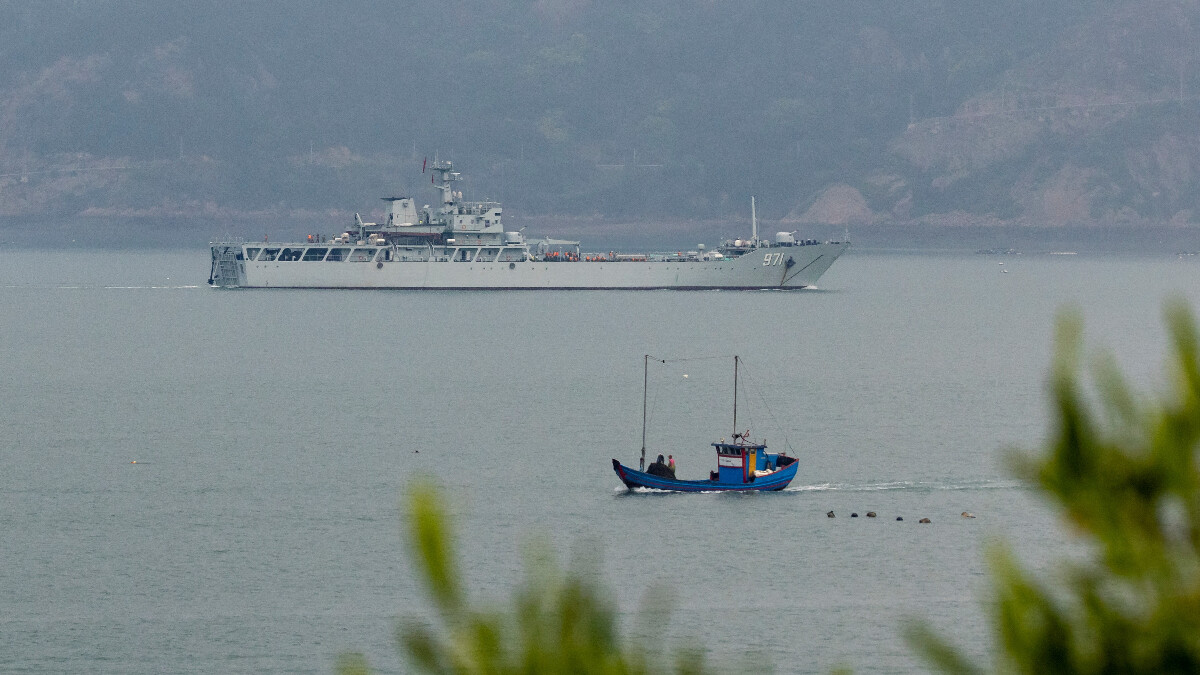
(829,515)
(870,514)
(924,520)
(853,515)
(416,452)
(134,462)
(968,514)
(685,376)
(899,518)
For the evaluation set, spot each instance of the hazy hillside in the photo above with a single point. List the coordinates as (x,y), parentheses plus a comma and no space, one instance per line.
(842,112)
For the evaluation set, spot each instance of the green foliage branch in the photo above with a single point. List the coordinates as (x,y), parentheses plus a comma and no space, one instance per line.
(1124,473)
(559,621)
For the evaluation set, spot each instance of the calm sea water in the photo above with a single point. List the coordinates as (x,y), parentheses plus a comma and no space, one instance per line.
(274,432)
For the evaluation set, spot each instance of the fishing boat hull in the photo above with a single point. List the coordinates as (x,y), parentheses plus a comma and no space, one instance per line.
(632,478)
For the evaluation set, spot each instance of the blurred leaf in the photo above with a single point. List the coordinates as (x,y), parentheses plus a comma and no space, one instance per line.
(1126,477)
(559,622)
(352,664)
(428,525)
(936,651)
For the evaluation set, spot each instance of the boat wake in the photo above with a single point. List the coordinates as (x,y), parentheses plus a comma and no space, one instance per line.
(99,287)
(623,491)
(154,287)
(921,486)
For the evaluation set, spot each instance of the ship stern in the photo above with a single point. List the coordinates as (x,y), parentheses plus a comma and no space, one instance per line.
(228,266)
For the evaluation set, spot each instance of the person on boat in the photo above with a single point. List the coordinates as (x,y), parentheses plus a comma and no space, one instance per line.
(671,464)
(659,468)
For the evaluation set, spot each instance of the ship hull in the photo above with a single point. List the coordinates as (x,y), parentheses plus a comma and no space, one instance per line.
(769,268)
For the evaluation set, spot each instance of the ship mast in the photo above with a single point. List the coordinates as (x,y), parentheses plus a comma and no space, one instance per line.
(443,179)
(645,388)
(753,233)
(735,374)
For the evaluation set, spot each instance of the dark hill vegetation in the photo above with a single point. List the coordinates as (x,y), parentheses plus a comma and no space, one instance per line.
(853,112)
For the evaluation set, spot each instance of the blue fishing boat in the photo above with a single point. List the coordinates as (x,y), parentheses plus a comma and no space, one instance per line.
(742,465)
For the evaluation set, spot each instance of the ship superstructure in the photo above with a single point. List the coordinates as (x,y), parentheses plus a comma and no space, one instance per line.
(463,245)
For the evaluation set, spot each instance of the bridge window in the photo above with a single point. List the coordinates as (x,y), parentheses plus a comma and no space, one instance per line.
(270,254)
(252,253)
(337,254)
(315,254)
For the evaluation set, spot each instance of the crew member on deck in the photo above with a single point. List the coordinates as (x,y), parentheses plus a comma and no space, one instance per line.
(659,468)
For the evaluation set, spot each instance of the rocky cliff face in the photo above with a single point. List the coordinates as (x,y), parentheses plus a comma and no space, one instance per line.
(1100,127)
(1019,112)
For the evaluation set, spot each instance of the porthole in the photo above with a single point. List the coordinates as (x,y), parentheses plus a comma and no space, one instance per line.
(512,266)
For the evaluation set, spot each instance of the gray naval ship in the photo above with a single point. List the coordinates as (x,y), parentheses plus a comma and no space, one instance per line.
(463,245)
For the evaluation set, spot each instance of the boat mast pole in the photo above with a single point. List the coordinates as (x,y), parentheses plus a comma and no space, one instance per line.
(645,388)
(735,374)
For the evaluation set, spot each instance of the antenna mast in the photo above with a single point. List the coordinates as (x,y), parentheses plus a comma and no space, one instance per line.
(753,236)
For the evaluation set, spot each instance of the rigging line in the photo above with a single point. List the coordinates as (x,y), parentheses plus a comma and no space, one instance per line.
(758,390)
(654,401)
(694,358)
(787,443)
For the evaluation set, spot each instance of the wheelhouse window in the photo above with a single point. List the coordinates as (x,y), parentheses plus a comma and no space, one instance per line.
(252,253)
(487,255)
(337,254)
(269,254)
(362,255)
(290,254)
(315,254)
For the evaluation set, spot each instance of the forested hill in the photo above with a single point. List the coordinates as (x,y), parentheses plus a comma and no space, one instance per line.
(836,112)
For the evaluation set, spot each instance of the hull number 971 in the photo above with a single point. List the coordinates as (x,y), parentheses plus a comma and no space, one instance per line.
(773,259)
